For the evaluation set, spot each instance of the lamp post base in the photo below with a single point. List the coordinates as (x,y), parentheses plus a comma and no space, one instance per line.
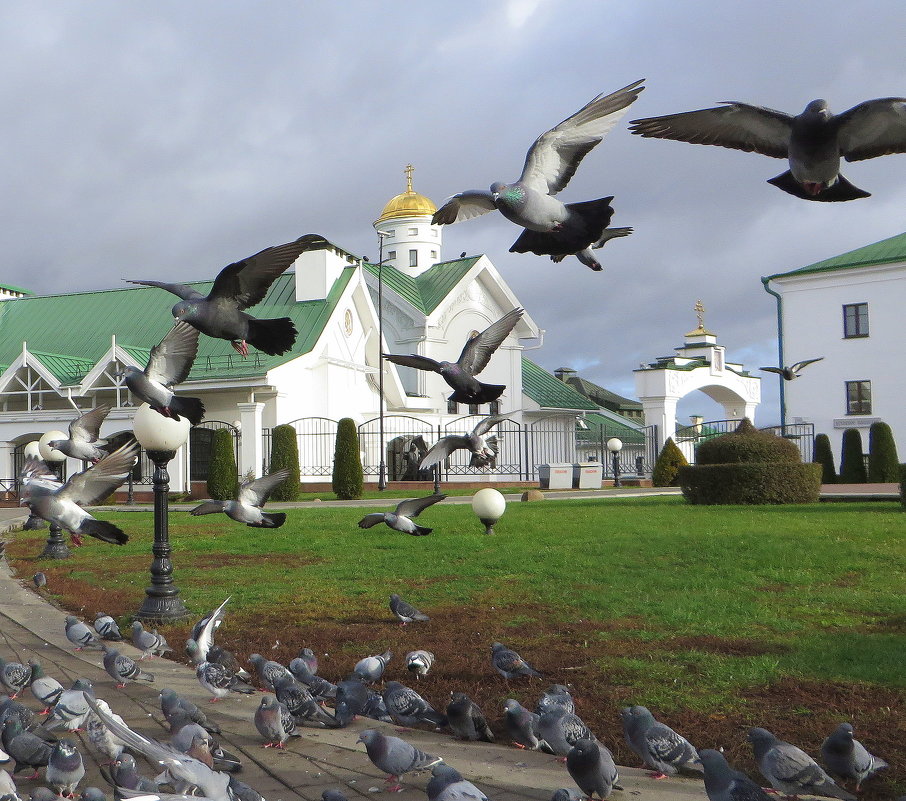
(161,609)
(488,525)
(56,547)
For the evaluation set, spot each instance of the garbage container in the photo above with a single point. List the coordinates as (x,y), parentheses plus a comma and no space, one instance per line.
(556,475)
(588,475)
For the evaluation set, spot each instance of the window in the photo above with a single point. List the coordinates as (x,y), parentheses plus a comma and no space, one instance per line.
(433,254)
(452,407)
(413,232)
(413,258)
(858,397)
(855,320)
(391,255)
(494,407)
(474,408)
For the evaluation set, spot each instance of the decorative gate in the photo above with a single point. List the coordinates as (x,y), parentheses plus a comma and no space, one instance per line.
(401,434)
(510,462)
(201,447)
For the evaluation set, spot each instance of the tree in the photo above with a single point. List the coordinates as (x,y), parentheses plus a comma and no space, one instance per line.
(285,453)
(347,462)
(852,463)
(825,457)
(667,466)
(883,464)
(223,478)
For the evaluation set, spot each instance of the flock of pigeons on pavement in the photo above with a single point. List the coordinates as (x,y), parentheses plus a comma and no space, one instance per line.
(193,764)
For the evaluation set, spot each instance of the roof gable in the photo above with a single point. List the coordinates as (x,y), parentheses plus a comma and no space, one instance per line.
(887,251)
(550,392)
(426,290)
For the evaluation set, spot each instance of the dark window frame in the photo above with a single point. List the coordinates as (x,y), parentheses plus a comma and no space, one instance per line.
(855,323)
(858,397)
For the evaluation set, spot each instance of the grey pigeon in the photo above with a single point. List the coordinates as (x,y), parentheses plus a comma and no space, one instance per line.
(793,371)
(14,676)
(789,769)
(813,141)
(196,741)
(483,448)
(25,749)
(61,504)
(408,708)
(592,767)
(124,772)
(150,643)
(394,756)
(92,794)
(419,662)
(172,703)
(310,658)
(467,720)
(561,730)
(401,518)
(567,794)
(238,287)
(46,689)
(333,795)
(44,794)
(846,757)
(371,668)
(65,768)
(219,681)
(404,611)
(557,695)
(219,656)
(302,704)
(122,668)
(350,699)
(269,671)
(509,664)
(375,707)
(247,508)
(319,687)
(274,722)
(10,708)
(71,709)
(722,783)
(39,580)
(447,784)
(101,737)
(657,745)
(552,228)
(83,442)
(203,631)
(80,635)
(7,785)
(475,355)
(107,628)
(169,364)
(521,725)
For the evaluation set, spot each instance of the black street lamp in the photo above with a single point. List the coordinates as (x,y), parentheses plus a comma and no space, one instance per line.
(615,445)
(382,465)
(56,547)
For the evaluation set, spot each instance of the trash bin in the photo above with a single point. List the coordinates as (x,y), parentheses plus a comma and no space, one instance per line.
(588,475)
(556,475)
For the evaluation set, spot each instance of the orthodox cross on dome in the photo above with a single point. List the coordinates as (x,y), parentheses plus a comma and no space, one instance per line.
(409,170)
(699,309)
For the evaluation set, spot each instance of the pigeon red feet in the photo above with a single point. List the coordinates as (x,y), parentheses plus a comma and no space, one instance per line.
(658,775)
(76,540)
(241,348)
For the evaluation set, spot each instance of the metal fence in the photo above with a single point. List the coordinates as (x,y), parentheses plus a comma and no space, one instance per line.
(688,438)
(638,454)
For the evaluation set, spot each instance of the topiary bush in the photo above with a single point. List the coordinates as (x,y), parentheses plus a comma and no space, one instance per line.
(666,468)
(747,444)
(883,464)
(223,475)
(285,453)
(852,462)
(347,462)
(825,457)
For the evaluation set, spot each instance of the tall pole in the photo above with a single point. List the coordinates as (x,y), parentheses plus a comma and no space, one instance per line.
(382,466)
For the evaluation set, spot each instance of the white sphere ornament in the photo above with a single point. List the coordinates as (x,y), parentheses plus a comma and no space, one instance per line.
(158,433)
(49,454)
(32,450)
(488,505)
(614,445)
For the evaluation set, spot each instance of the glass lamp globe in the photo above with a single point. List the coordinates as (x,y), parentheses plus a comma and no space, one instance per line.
(31,450)
(158,433)
(49,454)
(488,505)
(614,445)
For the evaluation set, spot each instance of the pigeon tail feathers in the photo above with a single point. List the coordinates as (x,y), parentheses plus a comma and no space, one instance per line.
(270,520)
(104,531)
(841,190)
(488,393)
(191,408)
(273,337)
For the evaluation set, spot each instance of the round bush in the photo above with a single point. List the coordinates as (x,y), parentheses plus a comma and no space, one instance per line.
(285,453)
(747,444)
(751,483)
(667,466)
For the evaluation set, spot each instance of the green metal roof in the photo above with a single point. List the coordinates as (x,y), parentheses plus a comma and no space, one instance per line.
(428,289)
(550,392)
(599,423)
(887,251)
(67,369)
(600,395)
(11,288)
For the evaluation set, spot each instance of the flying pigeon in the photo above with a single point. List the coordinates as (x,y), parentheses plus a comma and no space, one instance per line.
(371,668)
(722,783)
(274,722)
(39,580)
(476,353)
(122,668)
(846,757)
(169,364)
(789,769)
(80,635)
(247,508)
(552,228)
(394,756)
(555,696)
(657,745)
(61,504)
(65,768)
(148,642)
(813,142)
(405,612)
(83,442)
(592,767)
(561,730)
(408,708)
(14,676)
(484,449)
(419,662)
(46,689)
(509,664)
(521,725)
(793,371)
(219,681)
(467,720)
(447,784)
(400,519)
(238,287)
(107,628)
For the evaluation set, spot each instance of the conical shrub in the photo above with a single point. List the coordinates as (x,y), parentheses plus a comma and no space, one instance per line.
(852,463)
(666,468)
(825,457)
(883,465)
(223,478)
(285,453)
(347,462)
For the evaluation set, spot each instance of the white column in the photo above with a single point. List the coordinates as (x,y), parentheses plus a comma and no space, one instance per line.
(251,450)
(7,464)
(662,413)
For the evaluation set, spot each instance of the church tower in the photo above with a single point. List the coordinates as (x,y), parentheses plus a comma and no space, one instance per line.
(411,243)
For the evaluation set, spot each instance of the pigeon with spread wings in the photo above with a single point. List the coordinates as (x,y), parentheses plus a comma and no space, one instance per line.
(247,508)
(401,518)
(793,371)
(83,442)
(483,448)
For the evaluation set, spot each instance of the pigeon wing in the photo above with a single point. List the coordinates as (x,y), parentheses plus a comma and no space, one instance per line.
(873,128)
(735,125)
(792,765)
(171,359)
(478,350)
(87,427)
(804,363)
(488,423)
(464,206)
(208,508)
(413,360)
(257,491)
(554,157)
(771,370)
(442,449)
(205,638)
(183,291)
(371,520)
(415,506)
(35,473)
(99,480)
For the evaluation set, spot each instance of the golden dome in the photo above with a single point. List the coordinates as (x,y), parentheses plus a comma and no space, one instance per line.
(408,203)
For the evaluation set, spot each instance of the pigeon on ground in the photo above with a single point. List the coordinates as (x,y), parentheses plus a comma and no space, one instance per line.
(172,704)
(7,785)
(122,668)
(83,442)
(657,745)
(101,737)
(561,730)
(71,709)
(247,508)
(203,631)
(467,720)
(107,628)
(371,668)
(447,784)
(274,722)
(557,695)
(476,353)
(318,686)
(484,449)
(45,688)
(92,794)
(169,364)
(219,681)
(238,287)
(65,768)
(269,671)
(509,664)
(333,795)
(150,643)
(419,662)
(552,228)
(124,772)
(62,504)
(196,741)
(793,371)
(846,757)
(309,658)
(789,769)
(350,698)
(592,767)
(26,749)
(10,708)
(302,705)
(225,658)
(521,725)
(722,783)
(401,518)
(812,141)
(39,580)
(405,612)
(394,756)
(408,708)
(14,676)
(80,635)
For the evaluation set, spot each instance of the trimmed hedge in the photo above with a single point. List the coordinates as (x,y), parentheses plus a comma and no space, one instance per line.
(824,456)
(747,444)
(666,468)
(348,480)
(852,462)
(751,483)
(883,464)
(285,453)
(223,478)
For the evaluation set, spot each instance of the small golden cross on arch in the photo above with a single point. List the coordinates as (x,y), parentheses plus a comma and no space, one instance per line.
(699,309)
(409,170)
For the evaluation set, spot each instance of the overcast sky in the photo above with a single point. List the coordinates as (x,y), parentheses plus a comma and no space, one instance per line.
(165,140)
